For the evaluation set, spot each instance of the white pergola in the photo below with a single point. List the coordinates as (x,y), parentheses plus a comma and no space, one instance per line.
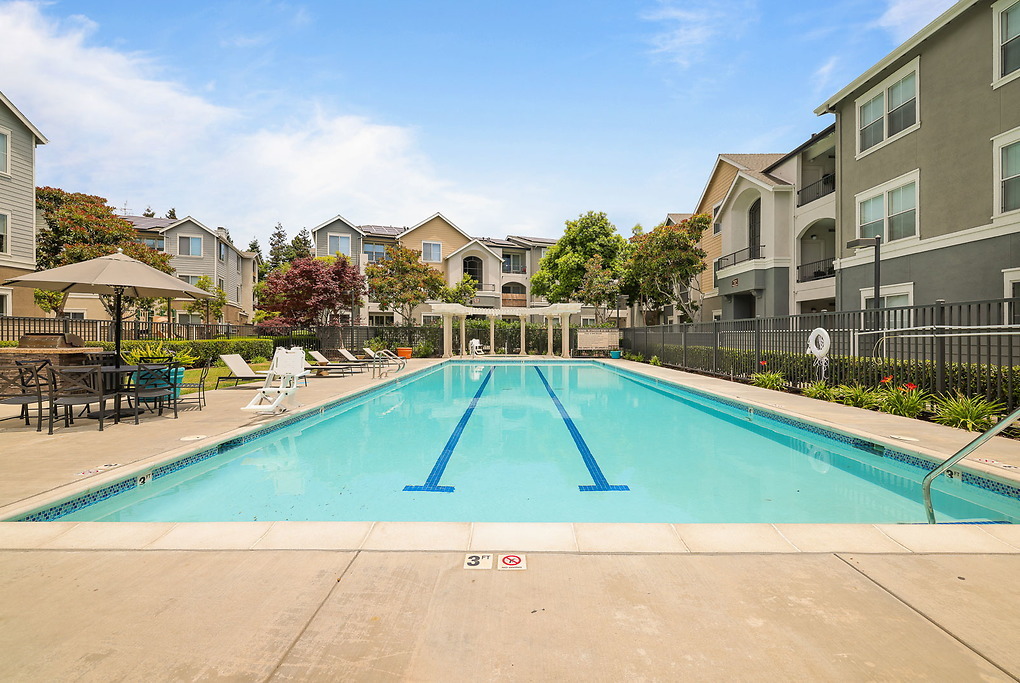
(450,311)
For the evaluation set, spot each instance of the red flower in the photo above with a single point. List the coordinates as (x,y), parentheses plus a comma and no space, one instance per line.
(909,386)
(761,362)
(886,380)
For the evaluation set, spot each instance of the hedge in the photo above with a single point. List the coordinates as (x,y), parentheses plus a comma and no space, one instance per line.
(206,350)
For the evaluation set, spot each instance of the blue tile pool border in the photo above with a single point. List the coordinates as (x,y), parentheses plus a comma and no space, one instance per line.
(80,500)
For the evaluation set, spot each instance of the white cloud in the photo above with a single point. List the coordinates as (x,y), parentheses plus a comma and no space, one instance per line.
(822,76)
(904,18)
(691,28)
(119,128)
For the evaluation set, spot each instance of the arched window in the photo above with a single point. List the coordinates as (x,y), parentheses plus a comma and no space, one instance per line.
(473,267)
(754,229)
(514,288)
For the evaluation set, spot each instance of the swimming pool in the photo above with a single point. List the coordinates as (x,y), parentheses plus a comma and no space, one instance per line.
(545,441)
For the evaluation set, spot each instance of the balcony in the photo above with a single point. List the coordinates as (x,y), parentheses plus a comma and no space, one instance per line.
(515,269)
(817,270)
(485,287)
(817,189)
(747,254)
(515,300)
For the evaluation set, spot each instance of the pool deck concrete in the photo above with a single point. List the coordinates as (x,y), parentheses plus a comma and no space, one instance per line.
(392,601)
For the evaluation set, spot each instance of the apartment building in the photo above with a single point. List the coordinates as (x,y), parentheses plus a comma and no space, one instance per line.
(928,143)
(18,141)
(501,267)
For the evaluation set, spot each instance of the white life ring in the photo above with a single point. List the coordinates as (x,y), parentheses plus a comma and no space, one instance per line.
(819,343)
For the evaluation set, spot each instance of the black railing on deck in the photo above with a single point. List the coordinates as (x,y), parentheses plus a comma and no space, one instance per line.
(816,270)
(817,189)
(746,254)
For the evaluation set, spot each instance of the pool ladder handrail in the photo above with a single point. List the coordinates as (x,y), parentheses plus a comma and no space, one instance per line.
(960,455)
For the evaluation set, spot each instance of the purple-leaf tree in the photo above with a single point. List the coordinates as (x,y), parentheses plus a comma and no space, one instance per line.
(313,291)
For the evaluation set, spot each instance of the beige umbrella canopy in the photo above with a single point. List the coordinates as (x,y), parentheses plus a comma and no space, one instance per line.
(116,274)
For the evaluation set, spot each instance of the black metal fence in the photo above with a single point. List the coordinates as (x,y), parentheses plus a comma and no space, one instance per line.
(971,347)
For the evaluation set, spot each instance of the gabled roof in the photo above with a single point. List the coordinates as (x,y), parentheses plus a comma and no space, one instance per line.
(21,117)
(908,45)
(754,165)
(334,219)
(677,218)
(480,243)
(493,242)
(437,215)
(150,223)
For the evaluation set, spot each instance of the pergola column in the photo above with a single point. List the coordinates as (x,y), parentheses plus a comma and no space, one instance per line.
(492,334)
(524,333)
(447,335)
(549,334)
(565,335)
(463,335)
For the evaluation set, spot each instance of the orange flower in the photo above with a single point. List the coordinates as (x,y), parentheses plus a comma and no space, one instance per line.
(909,386)
(886,380)
(761,362)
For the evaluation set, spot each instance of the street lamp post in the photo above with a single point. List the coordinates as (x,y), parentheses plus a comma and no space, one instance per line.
(877,243)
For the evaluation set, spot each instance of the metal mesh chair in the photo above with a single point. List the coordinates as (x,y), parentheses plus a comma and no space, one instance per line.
(79,385)
(23,383)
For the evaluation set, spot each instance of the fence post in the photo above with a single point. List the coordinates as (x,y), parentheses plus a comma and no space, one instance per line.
(757,343)
(715,346)
(683,342)
(662,344)
(940,346)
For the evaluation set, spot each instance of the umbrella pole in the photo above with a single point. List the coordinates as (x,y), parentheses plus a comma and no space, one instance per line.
(117,313)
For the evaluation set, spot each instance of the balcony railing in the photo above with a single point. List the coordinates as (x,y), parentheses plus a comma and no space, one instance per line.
(485,287)
(516,270)
(817,189)
(748,254)
(818,270)
(515,300)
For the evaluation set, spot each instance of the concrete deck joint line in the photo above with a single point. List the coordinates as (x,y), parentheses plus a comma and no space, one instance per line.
(882,531)
(988,533)
(785,538)
(927,618)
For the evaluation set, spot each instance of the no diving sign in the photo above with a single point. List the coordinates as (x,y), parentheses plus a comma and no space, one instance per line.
(515,561)
(509,561)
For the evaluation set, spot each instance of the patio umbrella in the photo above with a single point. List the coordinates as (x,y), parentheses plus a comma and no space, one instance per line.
(116,274)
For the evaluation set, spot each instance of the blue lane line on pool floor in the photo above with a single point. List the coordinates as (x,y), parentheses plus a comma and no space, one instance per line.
(432,483)
(589,460)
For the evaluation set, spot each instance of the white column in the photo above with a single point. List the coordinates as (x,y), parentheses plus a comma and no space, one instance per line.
(565,335)
(463,335)
(492,334)
(447,335)
(549,334)
(524,333)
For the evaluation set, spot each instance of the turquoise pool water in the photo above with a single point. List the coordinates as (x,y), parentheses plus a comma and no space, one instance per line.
(567,441)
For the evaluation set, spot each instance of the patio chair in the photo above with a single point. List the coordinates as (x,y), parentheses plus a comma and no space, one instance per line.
(354,360)
(349,365)
(78,385)
(153,383)
(280,385)
(239,370)
(199,387)
(22,383)
(386,356)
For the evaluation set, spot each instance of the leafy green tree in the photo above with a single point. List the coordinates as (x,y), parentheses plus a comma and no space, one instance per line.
(400,282)
(563,267)
(280,250)
(599,288)
(209,309)
(664,265)
(302,244)
(461,293)
(80,227)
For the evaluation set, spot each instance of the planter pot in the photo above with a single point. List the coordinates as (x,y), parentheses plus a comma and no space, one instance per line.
(178,378)
(404,351)
(614,354)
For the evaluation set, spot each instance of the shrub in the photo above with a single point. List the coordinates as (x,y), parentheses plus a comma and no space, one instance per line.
(258,359)
(654,360)
(819,390)
(179,354)
(905,401)
(376,344)
(769,380)
(204,350)
(424,349)
(973,413)
(857,396)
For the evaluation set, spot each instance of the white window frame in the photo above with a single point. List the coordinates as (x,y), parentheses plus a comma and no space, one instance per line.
(367,254)
(385,315)
(587,321)
(340,239)
(238,262)
(428,260)
(895,289)
(998,142)
(222,251)
(1009,277)
(883,87)
(7,151)
(8,294)
(76,311)
(201,246)
(181,276)
(717,314)
(6,251)
(884,189)
(430,318)
(997,9)
(221,284)
(189,316)
(716,223)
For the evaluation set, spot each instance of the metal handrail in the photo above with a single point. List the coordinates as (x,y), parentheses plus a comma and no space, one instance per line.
(960,455)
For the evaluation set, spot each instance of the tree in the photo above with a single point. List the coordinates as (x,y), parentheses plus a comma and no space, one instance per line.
(313,291)
(461,293)
(302,244)
(400,282)
(280,251)
(209,309)
(665,263)
(172,213)
(599,288)
(559,277)
(149,213)
(80,227)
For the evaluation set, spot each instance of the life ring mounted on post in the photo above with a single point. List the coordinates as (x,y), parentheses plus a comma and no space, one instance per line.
(819,343)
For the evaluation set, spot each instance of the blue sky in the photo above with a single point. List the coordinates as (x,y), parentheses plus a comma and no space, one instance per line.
(509,118)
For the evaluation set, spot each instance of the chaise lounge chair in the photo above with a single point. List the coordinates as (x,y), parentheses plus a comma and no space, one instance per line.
(350,365)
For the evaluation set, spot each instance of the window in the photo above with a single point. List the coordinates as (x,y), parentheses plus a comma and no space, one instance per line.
(237,294)
(380,319)
(190,279)
(587,322)
(716,225)
(74,315)
(431,319)
(473,267)
(893,296)
(189,319)
(1010,165)
(222,255)
(5,231)
(889,211)
(432,251)
(222,285)
(340,244)
(152,242)
(374,253)
(5,302)
(189,246)
(514,263)
(888,110)
(238,263)
(5,151)
(1006,27)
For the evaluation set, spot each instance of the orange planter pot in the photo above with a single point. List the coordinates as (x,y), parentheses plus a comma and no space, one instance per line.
(404,351)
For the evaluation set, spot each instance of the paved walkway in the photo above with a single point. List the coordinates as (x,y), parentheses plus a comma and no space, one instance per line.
(387,601)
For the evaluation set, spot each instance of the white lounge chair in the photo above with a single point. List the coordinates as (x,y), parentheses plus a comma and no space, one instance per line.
(351,358)
(239,370)
(386,356)
(326,364)
(277,392)
(476,347)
